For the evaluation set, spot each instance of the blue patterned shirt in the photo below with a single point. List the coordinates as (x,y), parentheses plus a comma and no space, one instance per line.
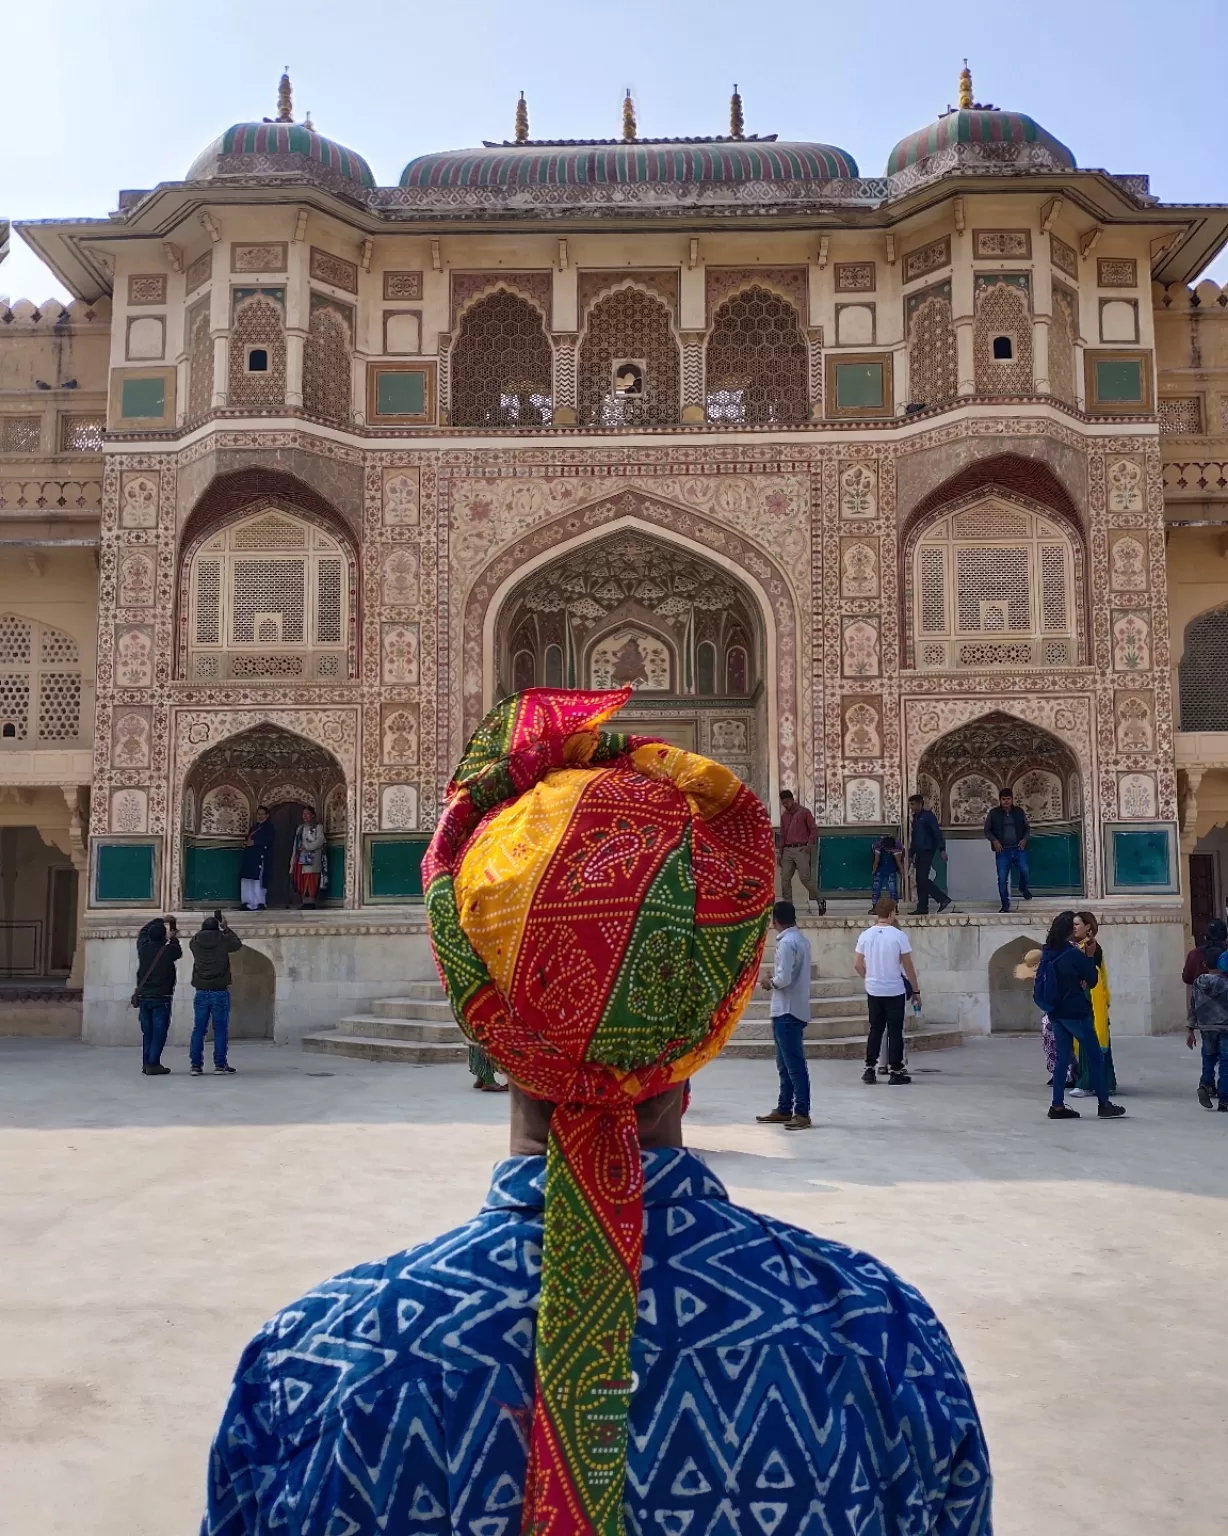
(784,1384)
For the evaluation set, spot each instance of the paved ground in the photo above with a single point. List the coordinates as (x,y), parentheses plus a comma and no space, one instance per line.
(148,1226)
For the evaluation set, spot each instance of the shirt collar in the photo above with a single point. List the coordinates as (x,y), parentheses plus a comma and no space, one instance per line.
(672,1176)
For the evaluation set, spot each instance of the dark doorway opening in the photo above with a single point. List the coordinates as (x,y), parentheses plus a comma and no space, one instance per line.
(1202,893)
(285,819)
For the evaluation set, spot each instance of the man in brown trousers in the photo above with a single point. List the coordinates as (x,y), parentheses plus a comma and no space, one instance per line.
(799,846)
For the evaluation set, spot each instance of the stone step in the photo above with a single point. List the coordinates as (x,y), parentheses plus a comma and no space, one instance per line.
(412,1053)
(817,1029)
(842,1048)
(427,1010)
(431,990)
(425,1030)
(823,1007)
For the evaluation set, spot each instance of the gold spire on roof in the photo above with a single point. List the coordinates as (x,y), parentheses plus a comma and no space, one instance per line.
(308,124)
(284,113)
(965,88)
(737,123)
(630,133)
(522,120)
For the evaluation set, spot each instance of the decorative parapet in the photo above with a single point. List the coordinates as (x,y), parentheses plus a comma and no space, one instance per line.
(52,495)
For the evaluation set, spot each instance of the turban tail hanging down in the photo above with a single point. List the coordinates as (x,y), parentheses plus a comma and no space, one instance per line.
(598,905)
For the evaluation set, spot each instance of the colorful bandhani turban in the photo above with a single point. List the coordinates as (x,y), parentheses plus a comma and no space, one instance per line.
(598,905)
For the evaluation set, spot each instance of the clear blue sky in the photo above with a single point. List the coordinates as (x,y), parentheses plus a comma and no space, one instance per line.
(98,97)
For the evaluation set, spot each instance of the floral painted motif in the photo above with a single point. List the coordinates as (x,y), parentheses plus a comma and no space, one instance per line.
(138,506)
(399,808)
(1131,643)
(400,647)
(859,491)
(129,811)
(401,497)
(1040,794)
(860,649)
(972,798)
(224,812)
(1136,795)
(859,571)
(134,658)
(401,736)
(1128,566)
(863,800)
(131,740)
(1125,486)
(861,731)
(136,581)
(400,576)
(1134,728)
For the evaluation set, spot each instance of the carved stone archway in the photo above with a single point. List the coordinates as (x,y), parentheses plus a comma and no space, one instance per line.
(690,531)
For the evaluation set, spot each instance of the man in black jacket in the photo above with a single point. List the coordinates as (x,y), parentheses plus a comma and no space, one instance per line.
(157,949)
(212,948)
(1007,829)
(925,844)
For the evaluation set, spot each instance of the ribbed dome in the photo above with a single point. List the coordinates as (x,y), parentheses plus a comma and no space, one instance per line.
(614,162)
(281,146)
(265,149)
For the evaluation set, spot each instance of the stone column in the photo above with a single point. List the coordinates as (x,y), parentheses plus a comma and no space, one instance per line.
(563,383)
(296,347)
(814,368)
(965,353)
(221,370)
(78,852)
(1040,354)
(694,398)
(1187,838)
(1080,378)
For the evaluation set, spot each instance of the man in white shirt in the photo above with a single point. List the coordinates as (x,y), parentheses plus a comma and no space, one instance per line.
(789,985)
(884,959)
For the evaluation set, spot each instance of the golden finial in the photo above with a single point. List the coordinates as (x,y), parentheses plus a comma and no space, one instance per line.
(737,123)
(629,129)
(522,120)
(308,124)
(965,88)
(284,114)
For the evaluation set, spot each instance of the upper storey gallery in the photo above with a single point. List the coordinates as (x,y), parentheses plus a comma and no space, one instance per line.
(735,282)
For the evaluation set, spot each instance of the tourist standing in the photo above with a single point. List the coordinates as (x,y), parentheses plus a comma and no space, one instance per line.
(1007,829)
(1208,1014)
(886,869)
(308,861)
(211,949)
(1064,980)
(883,959)
(926,842)
(257,856)
(1206,956)
(157,949)
(789,985)
(515,1365)
(1085,930)
(799,846)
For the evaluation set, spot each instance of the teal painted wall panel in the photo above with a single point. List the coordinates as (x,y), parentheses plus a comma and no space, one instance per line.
(846,862)
(1141,858)
(334,892)
(211,873)
(124,872)
(396,868)
(1055,860)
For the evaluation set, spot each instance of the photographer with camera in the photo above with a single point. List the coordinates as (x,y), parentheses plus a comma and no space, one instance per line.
(211,949)
(157,949)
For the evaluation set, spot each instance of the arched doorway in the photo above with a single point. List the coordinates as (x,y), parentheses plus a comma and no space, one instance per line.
(960,776)
(685,633)
(267,766)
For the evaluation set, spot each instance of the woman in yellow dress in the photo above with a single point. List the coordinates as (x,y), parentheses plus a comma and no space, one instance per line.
(1085,930)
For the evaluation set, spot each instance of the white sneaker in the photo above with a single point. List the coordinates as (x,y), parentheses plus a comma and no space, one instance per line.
(1079,1093)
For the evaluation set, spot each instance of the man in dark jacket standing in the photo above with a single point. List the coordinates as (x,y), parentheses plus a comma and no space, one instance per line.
(157,949)
(1007,829)
(212,948)
(925,844)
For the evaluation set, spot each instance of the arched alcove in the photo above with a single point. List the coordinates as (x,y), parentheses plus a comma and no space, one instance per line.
(961,773)
(253,995)
(633,608)
(1011,1008)
(264,765)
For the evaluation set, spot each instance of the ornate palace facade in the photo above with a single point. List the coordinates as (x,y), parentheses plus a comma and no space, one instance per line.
(862,481)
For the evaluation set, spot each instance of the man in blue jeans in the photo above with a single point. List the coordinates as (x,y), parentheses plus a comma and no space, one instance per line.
(212,948)
(1007,829)
(157,949)
(789,985)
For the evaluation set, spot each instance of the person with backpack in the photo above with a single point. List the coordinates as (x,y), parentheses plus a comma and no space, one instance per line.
(1208,1015)
(157,949)
(1205,956)
(1064,980)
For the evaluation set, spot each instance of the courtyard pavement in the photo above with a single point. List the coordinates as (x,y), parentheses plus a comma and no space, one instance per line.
(149,1226)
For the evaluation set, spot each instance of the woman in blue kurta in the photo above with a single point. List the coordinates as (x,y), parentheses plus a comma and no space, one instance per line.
(254,871)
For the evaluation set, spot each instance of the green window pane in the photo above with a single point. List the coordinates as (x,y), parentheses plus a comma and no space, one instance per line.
(401,394)
(124,872)
(1120,380)
(211,873)
(396,868)
(1141,858)
(859,386)
(846,862)
(143,398)
(1055,861)
(334,891)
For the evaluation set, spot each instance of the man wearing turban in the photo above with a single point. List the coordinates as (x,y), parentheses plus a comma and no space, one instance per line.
(610,1346)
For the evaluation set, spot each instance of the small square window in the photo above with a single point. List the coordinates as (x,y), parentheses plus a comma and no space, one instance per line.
(1118,382)
(257,360)
(143,399)
(401,394)
(859,385)
(1003,349)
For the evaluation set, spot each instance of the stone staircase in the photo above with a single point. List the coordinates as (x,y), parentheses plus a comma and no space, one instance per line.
(419,1028)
